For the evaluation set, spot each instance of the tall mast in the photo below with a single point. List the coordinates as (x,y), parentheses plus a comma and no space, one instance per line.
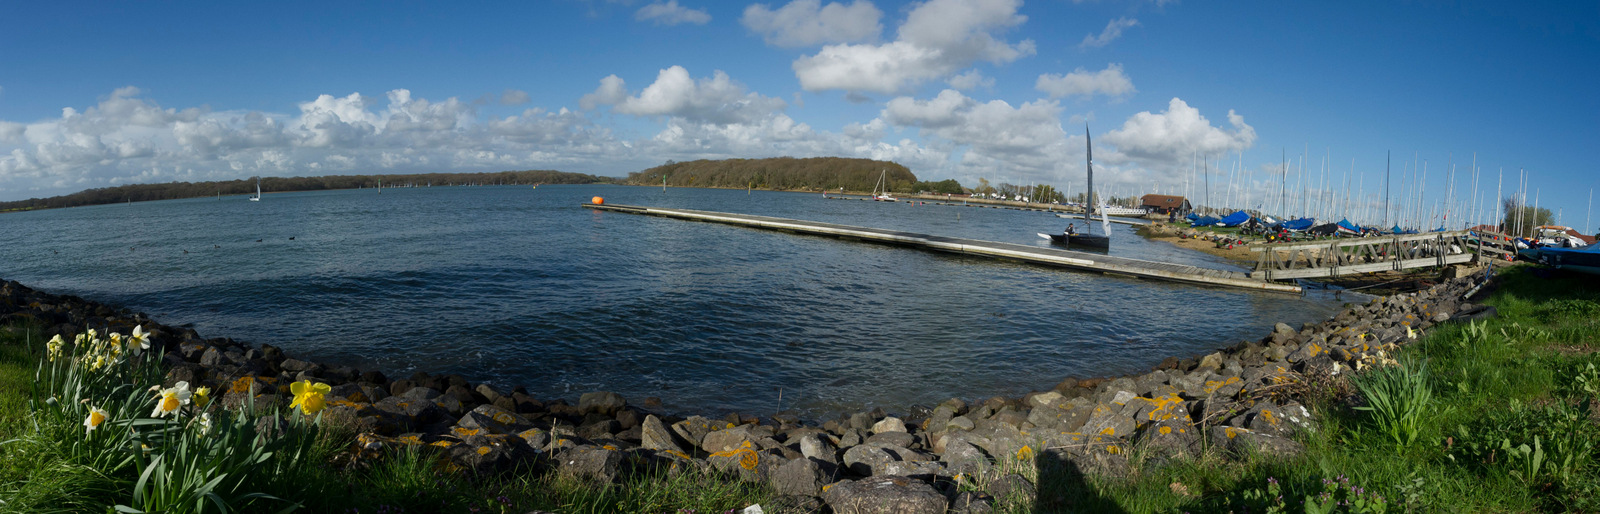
(1386,187)
(1088,146)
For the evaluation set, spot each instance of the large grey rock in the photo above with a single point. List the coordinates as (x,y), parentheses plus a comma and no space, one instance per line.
(889,424)
(1066,415)
(1243,441)
(1108,420)
(591,463)
(494,420)
(728,439)
(1171,439)
(801,477)
(884,495)
(867,460)
(654,435)
(922,469)
(695,428)
(601,402)
(818,447)
(961,456)
(900,439)
(960,423)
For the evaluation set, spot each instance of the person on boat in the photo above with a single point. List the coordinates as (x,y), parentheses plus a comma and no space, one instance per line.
(1071,229)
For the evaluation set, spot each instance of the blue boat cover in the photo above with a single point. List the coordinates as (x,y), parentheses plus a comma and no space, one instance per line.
(1299,224)
(1192,217)
(1233,220)
(1204,221)
(1347,225)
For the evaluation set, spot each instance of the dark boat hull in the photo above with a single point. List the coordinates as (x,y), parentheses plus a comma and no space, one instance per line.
(1582,260)
(1081,240)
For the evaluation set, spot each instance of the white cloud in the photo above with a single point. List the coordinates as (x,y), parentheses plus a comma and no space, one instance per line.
(1026,139)
(1109,82)
(1112,31)
(129,139)
(972,79)
(938,38)
(717,100)
(1177,133)
(514,97)
(809,23)
(671,13)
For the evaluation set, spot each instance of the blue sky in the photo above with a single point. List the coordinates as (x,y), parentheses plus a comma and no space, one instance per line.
(962,89)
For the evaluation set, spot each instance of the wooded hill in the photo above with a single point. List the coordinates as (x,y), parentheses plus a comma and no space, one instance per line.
(176,190)
(784,173)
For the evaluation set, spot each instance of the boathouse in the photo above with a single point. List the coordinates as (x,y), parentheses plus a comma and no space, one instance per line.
(1165,204)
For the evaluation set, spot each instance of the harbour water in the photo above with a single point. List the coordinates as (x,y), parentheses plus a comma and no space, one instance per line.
(519,286)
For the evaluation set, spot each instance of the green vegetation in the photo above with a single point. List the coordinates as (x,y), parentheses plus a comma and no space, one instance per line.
(1492,416)
(782,173)
(1521,219)
(176,190)
(1511,426)
(943,187)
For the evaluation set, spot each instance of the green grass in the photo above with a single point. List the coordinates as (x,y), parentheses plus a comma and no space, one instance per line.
(1510,427)
(1523,376)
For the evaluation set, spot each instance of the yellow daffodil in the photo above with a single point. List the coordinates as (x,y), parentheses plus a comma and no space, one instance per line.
(96,417)
(308,396)
(169,400)
(54,346)
(139,341)
(113,340)
(202,397)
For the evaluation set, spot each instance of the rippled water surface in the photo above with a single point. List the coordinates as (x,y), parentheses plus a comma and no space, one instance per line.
(521,286)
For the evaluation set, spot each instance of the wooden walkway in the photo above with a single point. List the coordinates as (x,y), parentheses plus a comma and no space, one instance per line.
(1347,256)
(1006,251)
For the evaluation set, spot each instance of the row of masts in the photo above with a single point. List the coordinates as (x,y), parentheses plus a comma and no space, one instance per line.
(1466,201)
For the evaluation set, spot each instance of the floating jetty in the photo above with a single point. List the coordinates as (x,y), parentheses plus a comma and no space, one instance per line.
(994,250)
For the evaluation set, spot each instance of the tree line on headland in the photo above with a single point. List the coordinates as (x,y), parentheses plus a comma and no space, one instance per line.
(177,190)
(778,173)
(789,174)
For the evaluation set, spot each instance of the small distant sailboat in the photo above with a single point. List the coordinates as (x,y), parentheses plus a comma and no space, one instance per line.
(880,191)
(1087,239)
(257,197)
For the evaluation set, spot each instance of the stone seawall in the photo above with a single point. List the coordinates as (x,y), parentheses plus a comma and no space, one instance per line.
(1238,399)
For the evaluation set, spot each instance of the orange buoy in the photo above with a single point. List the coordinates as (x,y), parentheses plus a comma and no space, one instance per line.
(597,200)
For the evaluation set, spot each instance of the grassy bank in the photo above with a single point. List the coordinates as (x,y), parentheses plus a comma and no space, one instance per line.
(1495,416)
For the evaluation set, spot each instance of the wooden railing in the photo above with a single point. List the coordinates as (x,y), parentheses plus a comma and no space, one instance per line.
(1337,257)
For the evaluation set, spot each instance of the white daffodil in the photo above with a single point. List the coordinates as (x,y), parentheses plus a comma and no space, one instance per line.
(54,346)
(169,400)
(96,418)
(139,341)
(204,422)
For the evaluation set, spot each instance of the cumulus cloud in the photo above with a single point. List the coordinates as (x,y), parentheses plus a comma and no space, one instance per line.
(514,97)
(808,22)
(1110,82)
(1112,31)
(1177,133)
(1026,139)
(126,138)
(938,38)
(970,80)
(717,100)
(671,13)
